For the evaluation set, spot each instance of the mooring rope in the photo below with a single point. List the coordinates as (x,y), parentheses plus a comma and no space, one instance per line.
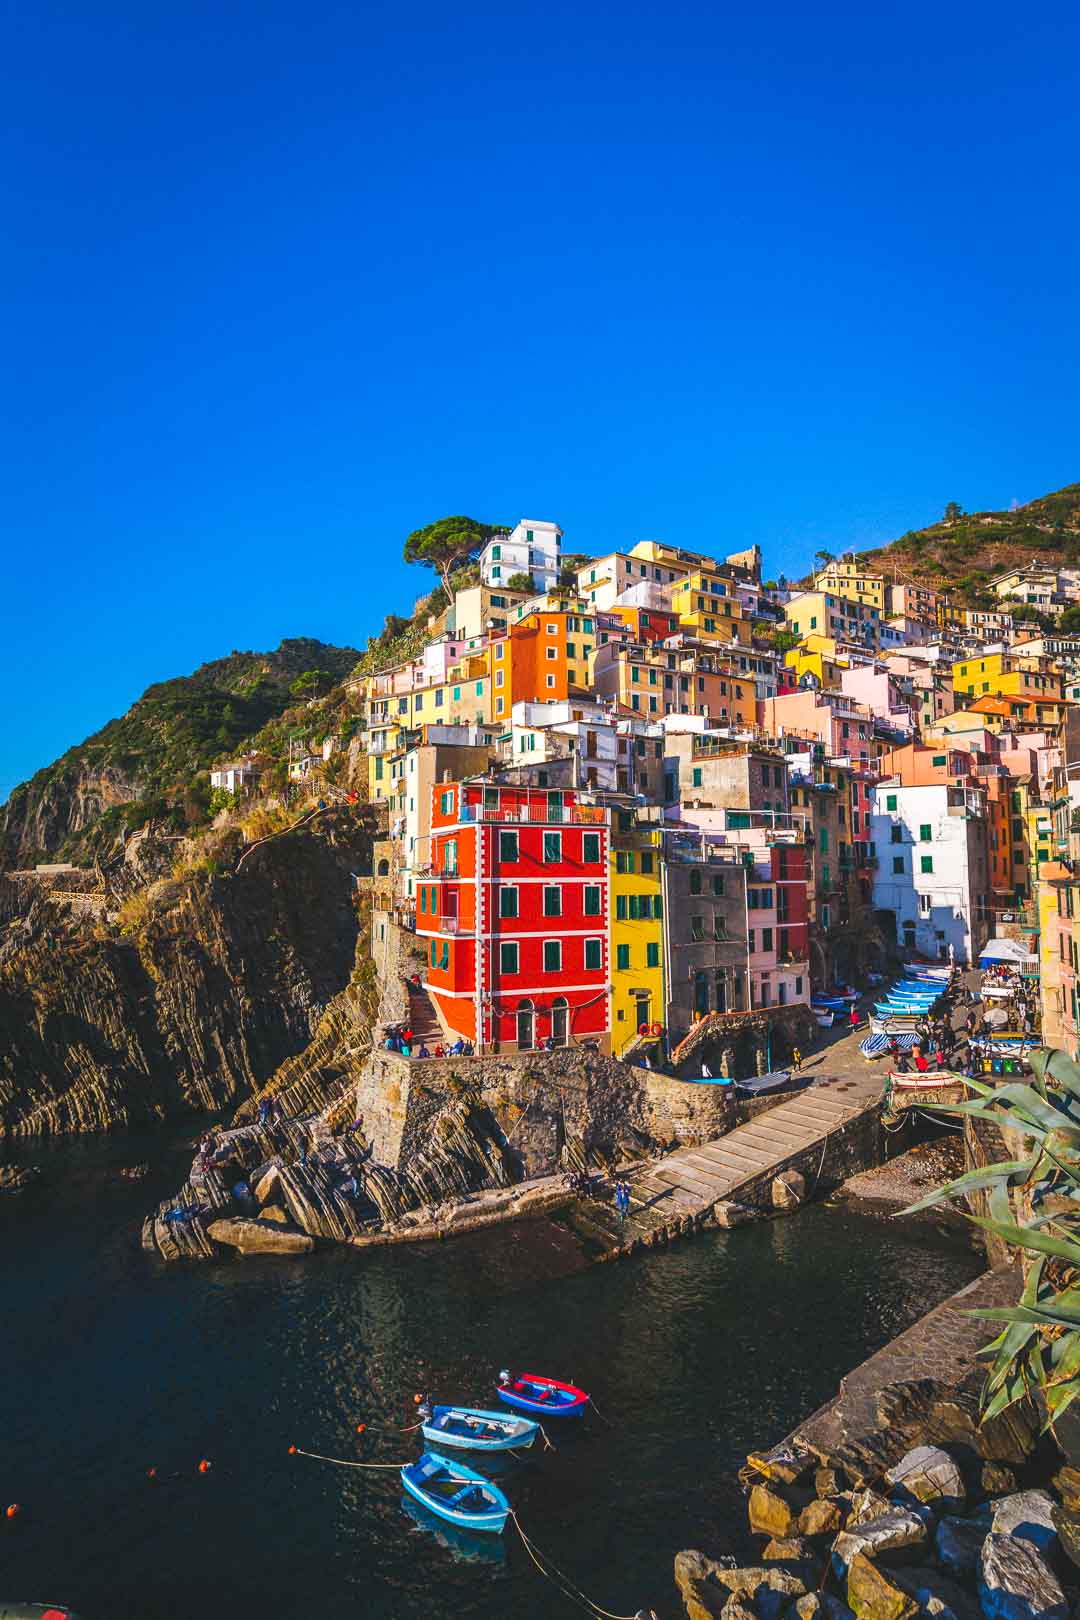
(556,1576)
(343,1462)
(600,1414)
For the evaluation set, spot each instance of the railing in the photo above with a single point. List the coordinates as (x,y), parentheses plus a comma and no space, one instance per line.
(575,815)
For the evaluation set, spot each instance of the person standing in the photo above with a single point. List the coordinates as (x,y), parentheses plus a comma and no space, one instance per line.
(796,1059)
(853,1017)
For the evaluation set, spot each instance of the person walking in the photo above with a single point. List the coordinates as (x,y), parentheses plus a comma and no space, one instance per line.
(853,1018)
(796,1059)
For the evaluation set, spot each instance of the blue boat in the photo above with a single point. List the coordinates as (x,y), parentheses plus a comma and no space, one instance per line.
(454,1493)
(530,1392)
(469,1428)
(465,1546)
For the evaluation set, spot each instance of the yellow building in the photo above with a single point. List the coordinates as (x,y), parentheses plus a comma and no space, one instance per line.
(655,551)
(1037,825)
(637,929)
(852,581)
(707,606)
(1007,675)
(653,681)
(840,617)
(808,659)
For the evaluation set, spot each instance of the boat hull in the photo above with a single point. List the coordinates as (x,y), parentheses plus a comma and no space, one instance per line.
(547,1397)
(514,1434)
(490,1520)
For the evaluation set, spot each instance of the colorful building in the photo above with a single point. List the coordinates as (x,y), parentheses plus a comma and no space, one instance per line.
(637,927)
(851,580)
(515,915)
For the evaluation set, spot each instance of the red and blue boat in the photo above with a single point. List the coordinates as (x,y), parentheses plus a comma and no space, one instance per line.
(530,1392)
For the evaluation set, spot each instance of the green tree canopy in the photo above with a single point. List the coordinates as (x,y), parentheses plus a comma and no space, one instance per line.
(953,511)
(448,543)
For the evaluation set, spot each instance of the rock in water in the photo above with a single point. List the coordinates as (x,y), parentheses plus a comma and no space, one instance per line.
(928,1474)
(867,1505)
(959,1543)
(737,1608)
(937,1595)
(258,1237)
(1016,1583)
(769,1514)
(792,1549)
(788,1190)
(728,1215)
(706,1586)
(873,1595)
(1029,1515)
(782,1462)
(900,1528)
(997,1480)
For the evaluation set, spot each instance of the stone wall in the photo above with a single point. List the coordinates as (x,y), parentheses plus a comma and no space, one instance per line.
(540,1100)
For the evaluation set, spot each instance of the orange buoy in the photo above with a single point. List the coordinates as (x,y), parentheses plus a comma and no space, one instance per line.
(151,1473)
(14,1510)
(417,1399)
(360,1427)
(204,1467)
(292,1451)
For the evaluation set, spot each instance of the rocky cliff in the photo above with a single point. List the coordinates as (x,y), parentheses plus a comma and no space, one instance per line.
(199,991)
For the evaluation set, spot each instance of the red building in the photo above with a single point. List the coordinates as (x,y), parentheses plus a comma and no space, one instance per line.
(515,910)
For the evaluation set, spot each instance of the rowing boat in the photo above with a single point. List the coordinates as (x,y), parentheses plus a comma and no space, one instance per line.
(469,1428)
(456,1494)
(530,1392)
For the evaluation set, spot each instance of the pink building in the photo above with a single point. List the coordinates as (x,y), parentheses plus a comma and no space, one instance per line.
(844,726)
(874,686)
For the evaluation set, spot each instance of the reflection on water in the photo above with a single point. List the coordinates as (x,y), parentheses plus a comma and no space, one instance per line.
(114,1365)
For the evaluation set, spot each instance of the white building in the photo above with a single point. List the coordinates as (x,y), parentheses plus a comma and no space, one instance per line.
(533,547)
(584,732)
(239,776)
(605,580)
(932,872)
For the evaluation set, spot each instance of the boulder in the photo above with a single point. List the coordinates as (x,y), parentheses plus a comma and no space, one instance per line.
(737,1608)
(900,1528)
(788,1190)
(820,1518)
(782,1463)
(997,1480)
(928,1474)
(1067,1481)
(1016,1583)
(729,1215)
(1028,1515)
(266,1185)
(258,1237)
(873,1594)
(1011,1436)
(829,1481)
(792,1549)
(1067,1525)
(275,1213)
(769,1514)
(958,1543)
(706,1586)
(821,1606)
(866,1505)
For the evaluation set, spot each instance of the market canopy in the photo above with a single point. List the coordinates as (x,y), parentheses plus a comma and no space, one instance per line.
(1005,950)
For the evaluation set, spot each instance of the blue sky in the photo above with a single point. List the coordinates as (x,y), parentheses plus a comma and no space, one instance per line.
(281,283)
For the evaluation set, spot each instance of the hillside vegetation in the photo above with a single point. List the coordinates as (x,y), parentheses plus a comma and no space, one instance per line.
(966,550)
(152,762)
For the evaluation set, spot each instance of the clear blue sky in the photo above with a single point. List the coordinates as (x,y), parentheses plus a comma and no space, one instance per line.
(281,282)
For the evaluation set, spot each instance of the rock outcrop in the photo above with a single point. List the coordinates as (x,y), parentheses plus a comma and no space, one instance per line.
(222,977)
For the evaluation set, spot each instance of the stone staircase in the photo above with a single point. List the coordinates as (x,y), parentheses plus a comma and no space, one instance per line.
(423,1020)
(693,1178)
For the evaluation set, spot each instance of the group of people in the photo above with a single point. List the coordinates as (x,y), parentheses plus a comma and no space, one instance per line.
(401,1039)
(622,1199)
(271,1111)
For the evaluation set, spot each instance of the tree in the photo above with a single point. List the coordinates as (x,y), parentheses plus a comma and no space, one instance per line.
(1070,620)
(312,683)
(519,582)
(448,542)
(824,558)
(953,511)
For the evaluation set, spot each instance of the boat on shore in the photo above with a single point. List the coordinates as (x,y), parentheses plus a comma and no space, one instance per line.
(455,1493)
(530,1392)
(470,1428)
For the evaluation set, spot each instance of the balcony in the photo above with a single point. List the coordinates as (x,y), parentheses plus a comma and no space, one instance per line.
(573,815)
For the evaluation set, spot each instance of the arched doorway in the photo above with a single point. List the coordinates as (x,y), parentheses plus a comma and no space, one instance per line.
(526,1023)
(384,868)
(560,1020)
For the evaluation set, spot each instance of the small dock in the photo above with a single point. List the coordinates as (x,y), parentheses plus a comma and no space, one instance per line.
(693,1178)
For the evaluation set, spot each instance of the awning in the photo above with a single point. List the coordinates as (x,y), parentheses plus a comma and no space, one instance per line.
(1005,950)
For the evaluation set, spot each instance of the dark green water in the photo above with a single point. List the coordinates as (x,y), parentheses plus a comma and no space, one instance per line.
(112,1364)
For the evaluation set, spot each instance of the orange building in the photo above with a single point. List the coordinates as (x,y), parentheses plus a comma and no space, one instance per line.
(540,659)
(654,681)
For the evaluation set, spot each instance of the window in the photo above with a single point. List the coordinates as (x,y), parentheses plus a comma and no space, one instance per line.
(646,862)
(592,900)
(553,653)
(697,928)
(552,847)
(896,834)
(446,803)
(823,843)
(926,832)
(717,884)
(553,956)
(496,553)
(695,882)
(624,860)
(939,759)
(594,955)
(719,926)
(508,846)
(590,848)
(620,908)
(450,856)
(898,863)
(508,901)
(926,863)
(766,939)
(622,957)
(552,901)
(697,775)
(508,956)
(890,801)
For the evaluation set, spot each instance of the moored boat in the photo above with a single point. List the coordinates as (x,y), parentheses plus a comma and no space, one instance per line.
(469,1428)
(455,1493)
(530,1392)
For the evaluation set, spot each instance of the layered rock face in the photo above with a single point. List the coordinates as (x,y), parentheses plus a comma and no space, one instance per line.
(225,977)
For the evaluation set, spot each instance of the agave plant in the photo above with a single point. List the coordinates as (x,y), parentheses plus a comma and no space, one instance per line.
(1034,1206)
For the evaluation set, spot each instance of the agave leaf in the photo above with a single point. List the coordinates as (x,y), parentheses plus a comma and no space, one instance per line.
(1049,1063)
(1064,1356)
(1013,1390)
(1026,1101)
(1058,1397)
(1041,1316)
(971,1180)
(1029,1237)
